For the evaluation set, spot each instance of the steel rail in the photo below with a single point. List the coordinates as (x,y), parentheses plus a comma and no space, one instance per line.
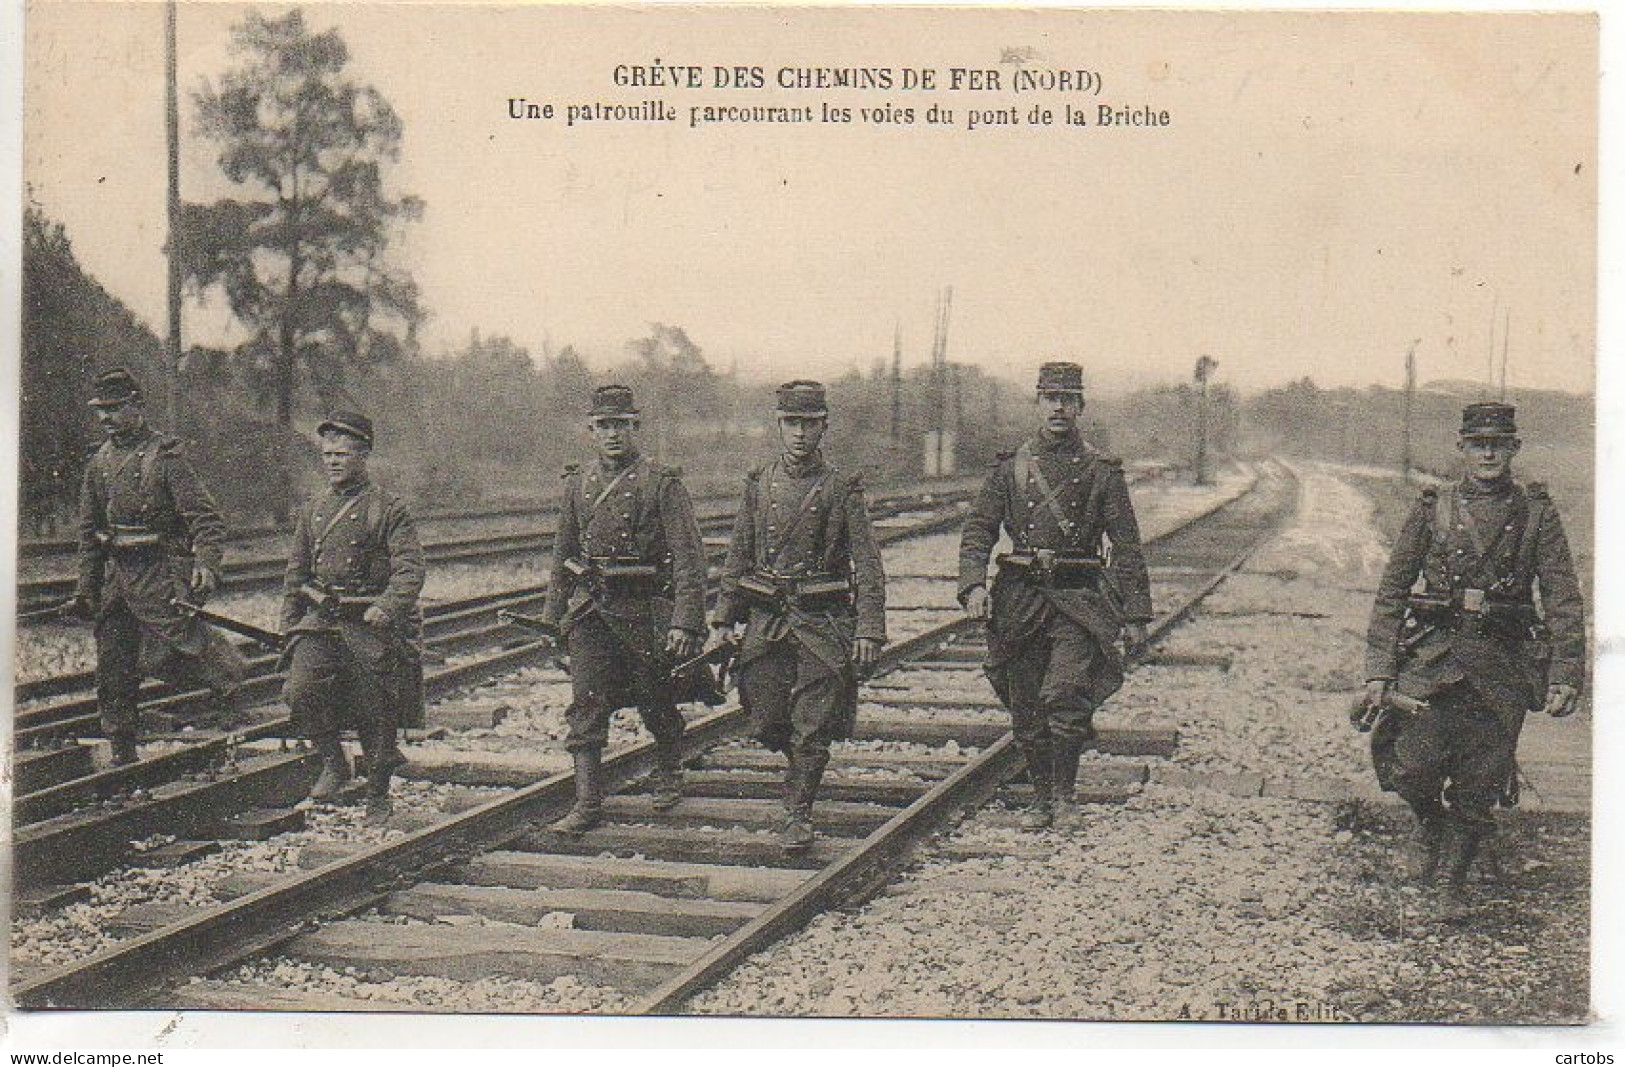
(262,919)
(63,798)
(864,870)
(716,516)
(135,971)
(145,774)
(35,725)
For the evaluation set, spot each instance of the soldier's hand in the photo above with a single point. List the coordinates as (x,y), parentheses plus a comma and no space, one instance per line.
(1561,700)
(865,651)
(1134,637)
(1376,691)
(681,644)
(374,616)
(721,634)
(977,604)
(204,581)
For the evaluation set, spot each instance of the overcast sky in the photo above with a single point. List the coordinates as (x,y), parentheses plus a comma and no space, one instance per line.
(1330,188)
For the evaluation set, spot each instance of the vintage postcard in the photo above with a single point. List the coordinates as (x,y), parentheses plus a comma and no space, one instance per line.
(803,512)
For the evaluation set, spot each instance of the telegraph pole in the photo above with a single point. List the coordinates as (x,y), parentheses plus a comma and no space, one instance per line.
(897,382)
(1506,343)
(1410,400)
(172,126)
(1205,366)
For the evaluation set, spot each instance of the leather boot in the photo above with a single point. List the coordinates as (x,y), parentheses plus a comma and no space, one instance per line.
(1457,848)
(124,750)
(335,768)
(382,761)
(1064,776)
(1422,862)
(1041,770)
(589,809)
(806,772)
(667,779)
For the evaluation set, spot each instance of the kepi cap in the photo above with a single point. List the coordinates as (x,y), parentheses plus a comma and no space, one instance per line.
(802,397)
(1059,377)
(350,423)
(613,402)
(1491,419)
(114,387)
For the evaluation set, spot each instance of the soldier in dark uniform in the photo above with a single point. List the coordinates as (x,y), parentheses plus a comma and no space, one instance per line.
(1457,625)
(350,610)
(149,533)
(804,574)
(1061,602)
(628,591)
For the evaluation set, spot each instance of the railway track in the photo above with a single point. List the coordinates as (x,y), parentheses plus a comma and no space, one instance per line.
(265,571)
(75,822)
(43,724)
(662,903)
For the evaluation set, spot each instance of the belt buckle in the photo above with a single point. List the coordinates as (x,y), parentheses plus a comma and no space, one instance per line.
(1472,600)
(1044,562)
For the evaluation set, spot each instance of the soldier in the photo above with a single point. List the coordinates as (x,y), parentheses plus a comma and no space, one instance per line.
(628,592)
(350,610)
(1060,602)
(804,574)
(149,533)
(1472,645)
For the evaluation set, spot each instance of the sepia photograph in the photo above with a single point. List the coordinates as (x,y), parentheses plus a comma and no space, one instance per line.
(814,513)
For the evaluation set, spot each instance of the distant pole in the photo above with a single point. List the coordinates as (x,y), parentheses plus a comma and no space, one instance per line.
(172,127)
(1489,375)
(1410,400)
(1205,366)
(957,375)
(897,382)
(1506,344)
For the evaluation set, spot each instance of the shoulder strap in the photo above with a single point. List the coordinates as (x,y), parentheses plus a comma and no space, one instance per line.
(1444,503)
(1048,496)
(149,470)
(603,495)
(801,513)
(338,517)
(1537,502)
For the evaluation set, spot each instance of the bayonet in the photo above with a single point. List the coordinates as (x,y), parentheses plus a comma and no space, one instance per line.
(270,639)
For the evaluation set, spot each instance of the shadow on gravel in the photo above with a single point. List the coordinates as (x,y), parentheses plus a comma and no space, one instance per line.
(1521,953)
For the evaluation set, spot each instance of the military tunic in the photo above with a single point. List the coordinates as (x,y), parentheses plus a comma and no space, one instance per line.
(356,541)
(144,484)
(615,629)
(1052,651)
(795,666)
(1507,543)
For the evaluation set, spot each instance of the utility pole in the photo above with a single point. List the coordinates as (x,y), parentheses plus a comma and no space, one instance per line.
(1410,401)
(939,443)
(1205,366)
(172,126)
(897,381)
(956,374)
(1506,344)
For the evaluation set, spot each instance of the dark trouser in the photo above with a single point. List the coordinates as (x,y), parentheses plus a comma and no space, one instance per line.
(599,666)
(124,656)
(1458,752)
(1044,684)
(797,704)
(328,687)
